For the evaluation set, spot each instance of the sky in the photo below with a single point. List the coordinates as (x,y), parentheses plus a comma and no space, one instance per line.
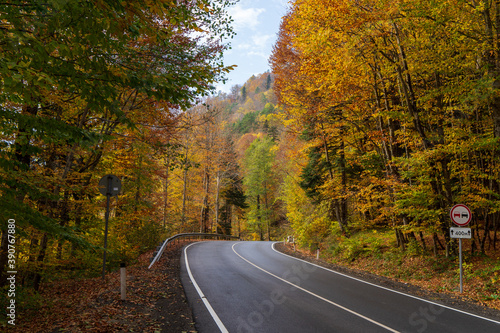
(256,23)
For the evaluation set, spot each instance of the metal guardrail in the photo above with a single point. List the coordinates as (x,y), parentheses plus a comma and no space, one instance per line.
(193,235)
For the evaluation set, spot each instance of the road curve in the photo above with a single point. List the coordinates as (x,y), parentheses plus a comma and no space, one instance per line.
(250,287)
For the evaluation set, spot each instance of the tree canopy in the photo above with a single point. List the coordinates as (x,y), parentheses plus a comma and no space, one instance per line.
(400,105)
(94,87)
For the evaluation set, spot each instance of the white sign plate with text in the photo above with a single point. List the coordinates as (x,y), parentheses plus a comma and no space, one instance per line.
(460,232)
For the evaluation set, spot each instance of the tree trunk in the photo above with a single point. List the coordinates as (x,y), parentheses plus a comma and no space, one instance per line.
(408,91)
(343,213)
(4,256)
(259,218)
(165,193)
(267,218)
(205,209)
(338,205)
(486,233)
(422,239)
(41,256)
(217,198)
(497,223)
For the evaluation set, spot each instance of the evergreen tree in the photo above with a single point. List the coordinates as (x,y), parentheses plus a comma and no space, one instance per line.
(234,197)
(244,94)
(268,82)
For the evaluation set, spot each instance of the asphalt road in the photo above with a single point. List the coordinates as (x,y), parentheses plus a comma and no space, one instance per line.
(250,287)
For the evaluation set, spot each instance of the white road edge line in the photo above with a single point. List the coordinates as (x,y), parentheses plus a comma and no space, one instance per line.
(212,312)
(394,291)
(315,295)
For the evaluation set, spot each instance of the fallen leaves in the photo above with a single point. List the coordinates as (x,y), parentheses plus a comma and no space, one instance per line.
(155,302)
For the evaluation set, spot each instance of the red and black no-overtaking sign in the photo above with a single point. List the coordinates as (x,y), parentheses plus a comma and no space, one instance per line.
(460,215)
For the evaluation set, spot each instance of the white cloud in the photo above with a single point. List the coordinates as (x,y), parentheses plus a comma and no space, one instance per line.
(261,41)
(258,54)
(244,46)
(283,4)
(245,18)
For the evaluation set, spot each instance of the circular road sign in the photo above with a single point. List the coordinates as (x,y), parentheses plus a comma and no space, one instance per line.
(460,215)
(110,185)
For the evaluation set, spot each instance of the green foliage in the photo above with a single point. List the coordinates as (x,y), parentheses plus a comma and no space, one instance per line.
(234,195)
(251,120)
(310,223)
(259,179)
(467,269)
(414,248)
(268,81)
(267,110)
(362,244)
(244,94)
(313,175)
(247,124)
(259,159)
(26,299)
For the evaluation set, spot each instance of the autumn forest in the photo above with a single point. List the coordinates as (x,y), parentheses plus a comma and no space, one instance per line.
(376,118)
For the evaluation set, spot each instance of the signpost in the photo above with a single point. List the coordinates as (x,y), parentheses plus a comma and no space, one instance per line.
(461,216)
(109,186)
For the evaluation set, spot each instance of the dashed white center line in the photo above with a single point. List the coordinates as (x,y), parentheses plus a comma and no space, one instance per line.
(315,295)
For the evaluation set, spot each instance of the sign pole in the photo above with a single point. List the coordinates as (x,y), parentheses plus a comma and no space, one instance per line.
(105,237)
(461,268)
(461,215)
(109,186)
